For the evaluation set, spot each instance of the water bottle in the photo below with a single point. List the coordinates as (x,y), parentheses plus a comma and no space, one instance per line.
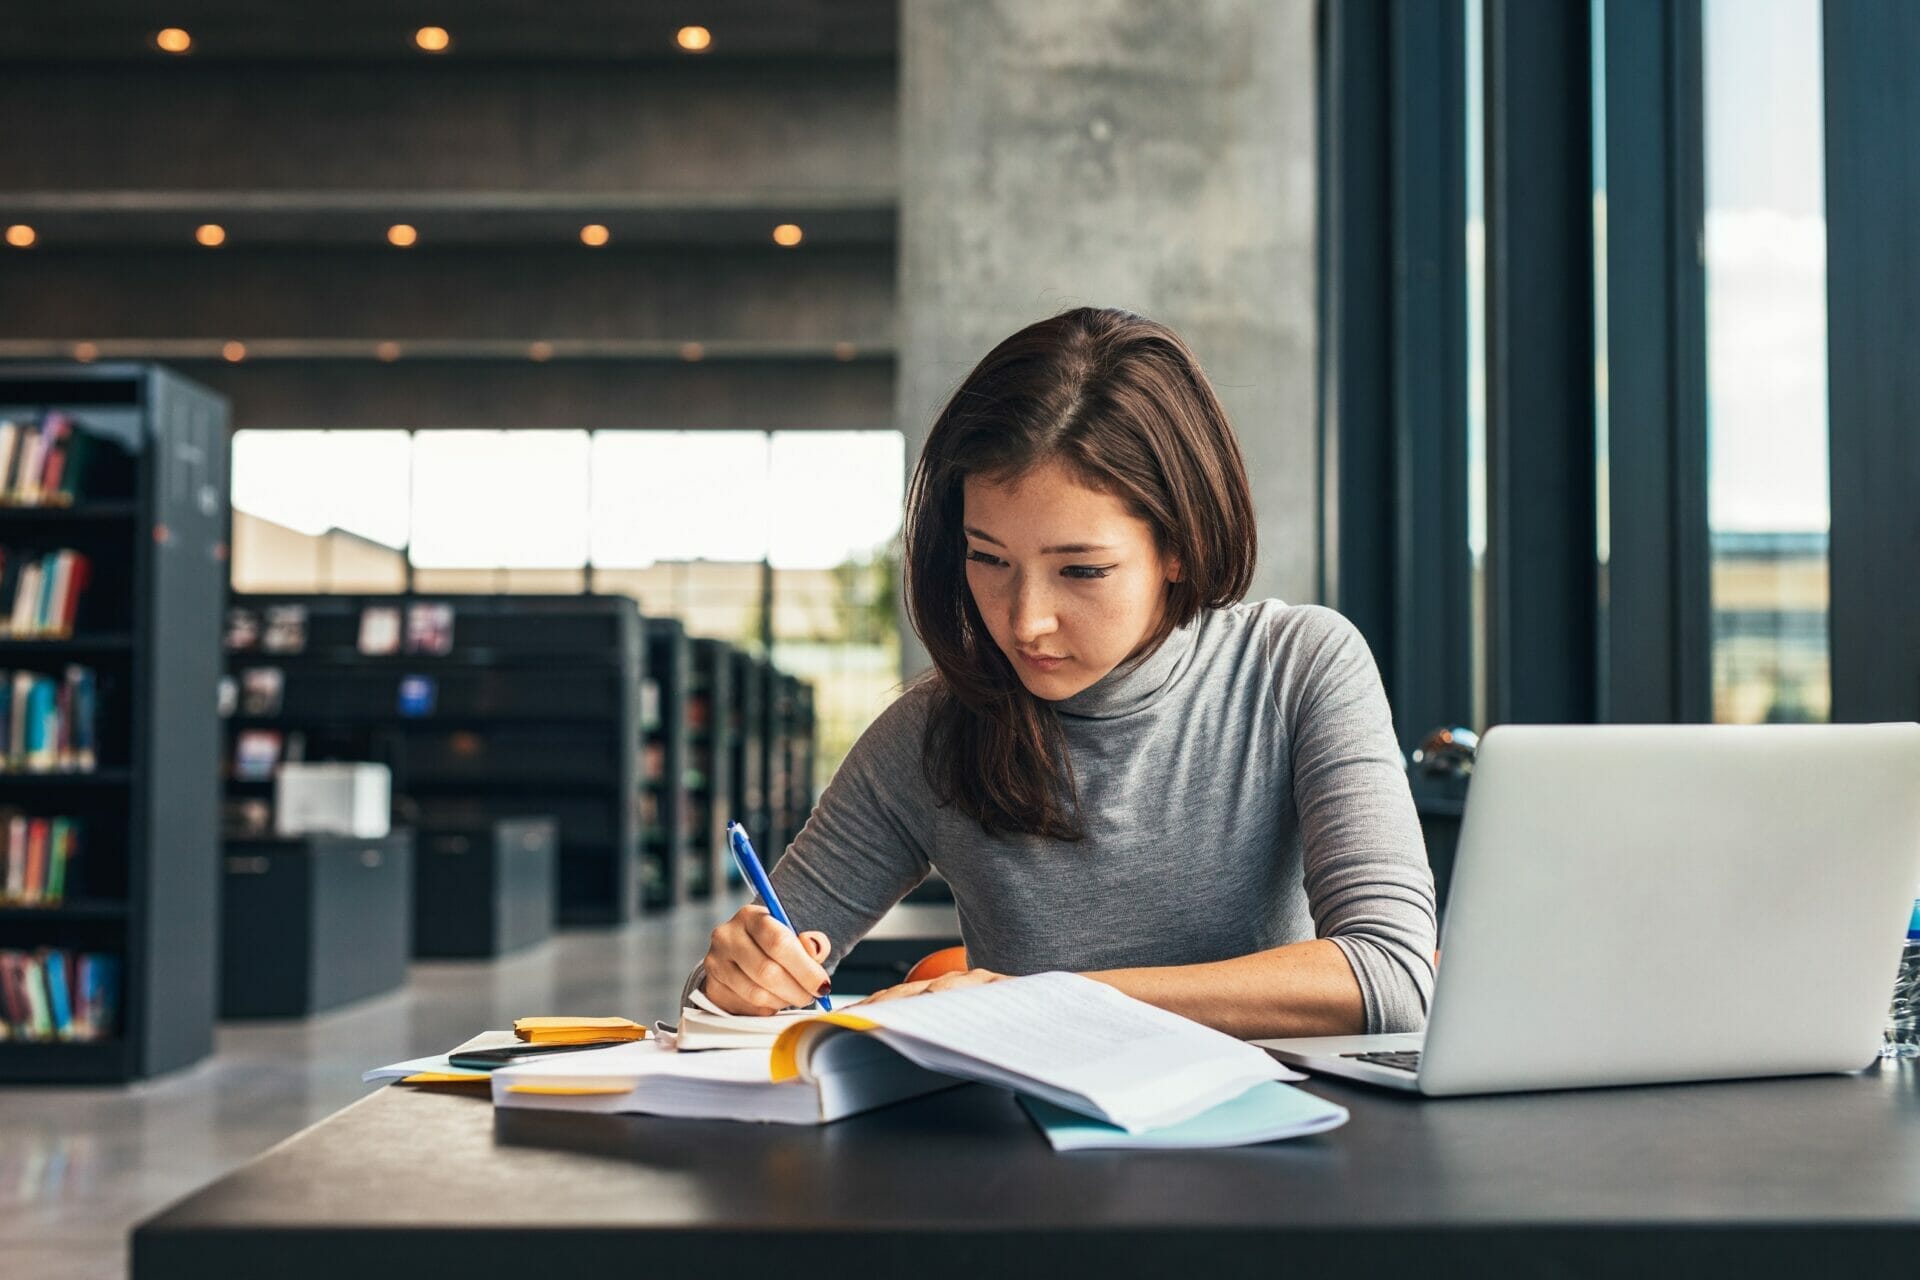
(1903,1020)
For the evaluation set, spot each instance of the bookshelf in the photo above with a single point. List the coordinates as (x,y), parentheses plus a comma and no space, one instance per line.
(145,504)
(486,708)
(789,753)
(711,727)
(747,748)
(666,832)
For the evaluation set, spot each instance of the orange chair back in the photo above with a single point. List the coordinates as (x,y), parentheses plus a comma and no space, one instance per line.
(944,961)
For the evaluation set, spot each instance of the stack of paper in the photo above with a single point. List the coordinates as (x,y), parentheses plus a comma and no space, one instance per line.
(1076,1043)
(725,1084)
(437,1070)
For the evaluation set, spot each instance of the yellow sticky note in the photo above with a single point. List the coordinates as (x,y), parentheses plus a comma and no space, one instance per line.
(574,1030)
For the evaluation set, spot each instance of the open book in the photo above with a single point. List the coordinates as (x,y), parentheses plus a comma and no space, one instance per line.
(1071,1041)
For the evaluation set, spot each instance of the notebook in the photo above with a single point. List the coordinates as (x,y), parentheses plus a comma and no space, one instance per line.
(707,1026)
(1267,1112)
(1068,1040)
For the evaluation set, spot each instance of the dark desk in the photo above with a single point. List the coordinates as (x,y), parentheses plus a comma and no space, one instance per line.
(1811,1176)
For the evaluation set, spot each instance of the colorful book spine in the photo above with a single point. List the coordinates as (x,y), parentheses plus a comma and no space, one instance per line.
(47,724)
(41,592)
(53,994)
(42,464)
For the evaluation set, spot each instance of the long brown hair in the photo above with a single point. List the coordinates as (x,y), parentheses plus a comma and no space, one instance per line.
(1121,402)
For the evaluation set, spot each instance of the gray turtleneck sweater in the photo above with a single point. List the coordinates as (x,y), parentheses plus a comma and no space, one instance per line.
(1240,789)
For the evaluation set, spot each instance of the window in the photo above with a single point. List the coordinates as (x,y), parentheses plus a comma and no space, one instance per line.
(1766,359)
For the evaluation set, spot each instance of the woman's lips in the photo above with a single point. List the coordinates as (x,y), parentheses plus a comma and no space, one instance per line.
(1041,661)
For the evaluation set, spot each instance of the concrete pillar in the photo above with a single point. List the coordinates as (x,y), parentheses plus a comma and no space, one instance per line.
(1156,155)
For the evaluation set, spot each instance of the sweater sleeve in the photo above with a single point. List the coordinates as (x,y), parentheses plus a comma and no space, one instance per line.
(861,849)
(1368,883)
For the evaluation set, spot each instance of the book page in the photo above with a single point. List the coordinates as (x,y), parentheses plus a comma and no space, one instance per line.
(1078,1043)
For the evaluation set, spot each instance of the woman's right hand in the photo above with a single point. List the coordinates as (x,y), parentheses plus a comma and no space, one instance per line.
(756,965)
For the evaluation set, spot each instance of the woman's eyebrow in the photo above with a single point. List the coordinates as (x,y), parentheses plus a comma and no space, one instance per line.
(1065,549)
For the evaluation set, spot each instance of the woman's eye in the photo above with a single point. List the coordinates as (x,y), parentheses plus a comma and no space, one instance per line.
(981,557)
(1087,570)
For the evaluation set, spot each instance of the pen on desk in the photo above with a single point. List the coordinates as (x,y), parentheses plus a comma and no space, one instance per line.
(757,877)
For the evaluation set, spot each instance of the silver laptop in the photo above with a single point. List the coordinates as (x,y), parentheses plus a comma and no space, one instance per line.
(1634,904)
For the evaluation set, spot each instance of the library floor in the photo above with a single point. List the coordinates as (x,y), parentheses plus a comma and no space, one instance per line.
(79,1167)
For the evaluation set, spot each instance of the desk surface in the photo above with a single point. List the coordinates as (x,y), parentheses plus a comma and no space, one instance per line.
(1770,1176)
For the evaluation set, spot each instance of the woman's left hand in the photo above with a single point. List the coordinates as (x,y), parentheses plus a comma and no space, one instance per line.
(946,982)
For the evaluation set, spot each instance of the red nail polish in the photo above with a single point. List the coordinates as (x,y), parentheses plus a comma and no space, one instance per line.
(826,989)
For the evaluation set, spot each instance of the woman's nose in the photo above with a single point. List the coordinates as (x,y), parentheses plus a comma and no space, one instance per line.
(1032,613)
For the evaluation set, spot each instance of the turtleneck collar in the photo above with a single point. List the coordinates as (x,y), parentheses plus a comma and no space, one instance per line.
(1127,689)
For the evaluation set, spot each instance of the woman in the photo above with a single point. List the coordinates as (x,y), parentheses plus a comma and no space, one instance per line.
(1119,770)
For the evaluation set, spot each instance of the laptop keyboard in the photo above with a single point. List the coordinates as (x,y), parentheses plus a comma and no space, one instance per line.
(1398,1059)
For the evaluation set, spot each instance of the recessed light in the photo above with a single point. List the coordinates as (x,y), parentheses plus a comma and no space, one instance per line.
(540,352)
(386,352)
(694,39)
(86,352)
(21,236)
(400,235)
(211,234)
(234,352)
(594,234)
(433,39)
(844,351)
(787,235)
(692,352)
(172,40)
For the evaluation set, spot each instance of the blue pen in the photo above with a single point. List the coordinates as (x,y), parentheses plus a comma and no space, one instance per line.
(757,877)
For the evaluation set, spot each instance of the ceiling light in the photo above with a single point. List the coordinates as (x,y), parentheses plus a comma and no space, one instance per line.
(844,351)
(786,235)
(172,40)
(211,234)
(85,352)
(694,39)
(400,235)
(387,352)
(540,352)
(594,234)
(234,352)
(432,39)
(21,236)
(692,352)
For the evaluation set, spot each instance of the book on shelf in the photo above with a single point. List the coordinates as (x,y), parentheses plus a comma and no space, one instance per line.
(262,690)
(256,753)
(40,592)
(52,994)
(42,464)
(379,630)
(243,629)
(417,696)
(36,854)
(284,629)
(430,628)
(47,724)
(246,818)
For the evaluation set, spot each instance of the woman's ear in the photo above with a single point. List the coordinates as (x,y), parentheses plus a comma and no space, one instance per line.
(1173,569)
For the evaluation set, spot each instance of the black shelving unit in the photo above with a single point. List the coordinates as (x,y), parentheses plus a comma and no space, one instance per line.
(710,734)
(789,755)
(747,741)
(535,710)
(666,832)
(150,514)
